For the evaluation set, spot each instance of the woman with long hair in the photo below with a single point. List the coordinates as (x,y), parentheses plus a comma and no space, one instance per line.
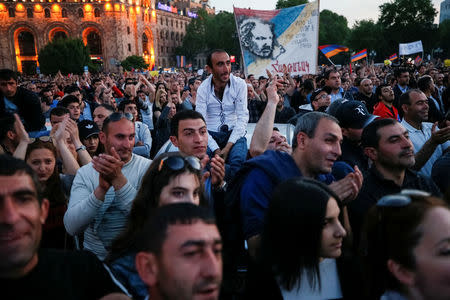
(171,178)
(42,156)
(300,244)
(406,247)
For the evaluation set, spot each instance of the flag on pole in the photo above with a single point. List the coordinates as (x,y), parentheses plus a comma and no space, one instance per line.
(332,50)
(417,60)
(393,57)
(360,55)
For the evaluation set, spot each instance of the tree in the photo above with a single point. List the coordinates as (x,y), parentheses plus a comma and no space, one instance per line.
(65,55)
(407,21)
(134,62)
(366,34)
(444,34)
(333,29)
(289,3)
(194,42)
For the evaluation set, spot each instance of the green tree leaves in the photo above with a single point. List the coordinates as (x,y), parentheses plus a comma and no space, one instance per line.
(134,62)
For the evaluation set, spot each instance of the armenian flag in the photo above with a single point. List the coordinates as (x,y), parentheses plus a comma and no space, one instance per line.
(332,50)
(417,60)
(393,57)
(360,55)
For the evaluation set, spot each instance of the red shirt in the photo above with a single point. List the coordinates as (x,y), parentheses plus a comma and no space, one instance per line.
(382,111)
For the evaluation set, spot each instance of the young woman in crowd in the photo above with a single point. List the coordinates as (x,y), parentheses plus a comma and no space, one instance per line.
(171,178)
(407,247)
(301,246)
(42,155)
(160,101)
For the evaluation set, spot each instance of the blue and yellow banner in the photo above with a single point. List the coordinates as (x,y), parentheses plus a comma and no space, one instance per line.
(278,39)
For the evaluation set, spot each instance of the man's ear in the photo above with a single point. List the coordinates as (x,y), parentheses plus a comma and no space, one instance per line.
(102,137)
(208,69)
(371,153)
(147,268)
(11,135)
(402,274)
(174,141)
(405,108)
(44,210)
(302,140)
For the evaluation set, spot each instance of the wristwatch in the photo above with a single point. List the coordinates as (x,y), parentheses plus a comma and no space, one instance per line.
(82,147)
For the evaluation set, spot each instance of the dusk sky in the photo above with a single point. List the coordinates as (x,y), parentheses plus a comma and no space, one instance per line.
(353,10)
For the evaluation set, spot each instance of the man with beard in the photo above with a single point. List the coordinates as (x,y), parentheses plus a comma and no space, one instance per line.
(386,142)
(429,141)
(402,76)
(222,100)
(385,109)
(103,190)
(180,254)
(27,272)
(14,99)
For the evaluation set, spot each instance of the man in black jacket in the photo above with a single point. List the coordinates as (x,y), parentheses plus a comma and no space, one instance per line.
(14,99)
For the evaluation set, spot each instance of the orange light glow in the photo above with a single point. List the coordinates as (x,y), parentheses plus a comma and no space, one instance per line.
(153,13)
(20,7)
(56,8)
(138,9)
(117,7)
(123,7)
(37,8)
(2,7)
(108,7)
(88,7)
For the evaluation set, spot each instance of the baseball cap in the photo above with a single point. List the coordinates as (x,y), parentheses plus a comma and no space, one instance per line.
(87,128)
(353,114)
(325,89)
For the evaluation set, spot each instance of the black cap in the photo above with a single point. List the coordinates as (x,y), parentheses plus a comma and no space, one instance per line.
(325,89)
(353,114)
(87,128)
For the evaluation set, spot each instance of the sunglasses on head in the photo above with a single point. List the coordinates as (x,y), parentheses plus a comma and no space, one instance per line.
(45,138)
(176,163)
(117,116)
(401,199)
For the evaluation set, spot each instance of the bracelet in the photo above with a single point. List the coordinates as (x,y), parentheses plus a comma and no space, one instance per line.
(82,147)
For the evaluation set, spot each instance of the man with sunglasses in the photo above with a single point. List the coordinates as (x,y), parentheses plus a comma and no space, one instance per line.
(386,142)
(103,190)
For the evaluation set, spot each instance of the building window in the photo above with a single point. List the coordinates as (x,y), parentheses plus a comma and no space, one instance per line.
(128,14)
(47,13)
(162,49)
(29,13)
(177,36)
(80,13)
(97,13)
(11,12)
(171,23)
(161,34)
(176,24)
(167,22)
(59,35)
(172,36)
(167,49)
(64,13)
(145,44)
(167,35)
(128,30)
(162,21)
(94,43)
(129,47)
(181,24)
(26,43)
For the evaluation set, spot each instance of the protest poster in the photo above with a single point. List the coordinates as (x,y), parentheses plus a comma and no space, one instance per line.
(410,48)
(274,39)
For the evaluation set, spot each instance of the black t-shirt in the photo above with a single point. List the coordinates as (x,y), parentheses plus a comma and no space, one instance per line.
(61,275)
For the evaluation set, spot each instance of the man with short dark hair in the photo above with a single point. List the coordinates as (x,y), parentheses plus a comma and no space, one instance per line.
(101,112)
(13,137)
(72,103)
(58,114)
(385,107)
(429,141)
(386,142)
(179,254)
(435,108)
(103,190)
(222,100)
(333,81)
(14,99)
(27,272)
(402,76)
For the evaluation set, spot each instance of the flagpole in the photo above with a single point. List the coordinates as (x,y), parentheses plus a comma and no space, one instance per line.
(331,61)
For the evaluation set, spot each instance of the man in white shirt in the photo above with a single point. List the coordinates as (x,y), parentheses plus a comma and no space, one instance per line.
(103,190)
(429,141)
(222,100)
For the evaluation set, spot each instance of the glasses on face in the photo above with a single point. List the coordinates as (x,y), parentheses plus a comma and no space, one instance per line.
(45,138)
(401,199)
(324,96)
(176,163)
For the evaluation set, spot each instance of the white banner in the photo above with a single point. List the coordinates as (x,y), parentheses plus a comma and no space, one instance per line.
(274,39)
(410,48)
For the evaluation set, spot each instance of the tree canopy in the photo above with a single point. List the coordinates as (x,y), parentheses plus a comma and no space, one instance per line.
(289,3)
(65,55)
(134,62)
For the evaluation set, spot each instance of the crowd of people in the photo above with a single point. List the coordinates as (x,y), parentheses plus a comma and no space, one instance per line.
(120,186)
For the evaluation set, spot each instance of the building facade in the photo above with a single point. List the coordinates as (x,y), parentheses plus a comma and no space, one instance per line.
(445,11)
(112,30)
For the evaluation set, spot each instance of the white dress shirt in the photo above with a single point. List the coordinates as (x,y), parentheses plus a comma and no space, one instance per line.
(231,110)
